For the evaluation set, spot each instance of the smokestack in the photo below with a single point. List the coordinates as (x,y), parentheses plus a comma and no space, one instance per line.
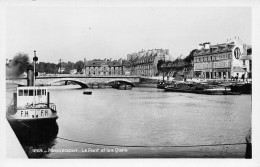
(207,45)
(15,101)
(30,76)
(200,46)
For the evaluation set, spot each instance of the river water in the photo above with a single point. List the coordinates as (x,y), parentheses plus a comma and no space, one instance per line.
(144,117)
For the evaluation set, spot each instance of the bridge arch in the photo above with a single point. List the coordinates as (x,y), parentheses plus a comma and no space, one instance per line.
(82,84)
(121,81)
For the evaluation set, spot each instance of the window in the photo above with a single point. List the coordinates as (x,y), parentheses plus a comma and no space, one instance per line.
(30,92)
(26,92)
(244,62)
(20,93)
(42,91)
(39,91)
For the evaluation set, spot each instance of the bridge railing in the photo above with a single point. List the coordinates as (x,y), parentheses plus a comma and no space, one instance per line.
(74,76)
(83,75)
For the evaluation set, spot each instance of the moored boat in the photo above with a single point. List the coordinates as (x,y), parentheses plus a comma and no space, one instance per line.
(243,88)
(31,105)
(201,89)
(124,87)
(163,84)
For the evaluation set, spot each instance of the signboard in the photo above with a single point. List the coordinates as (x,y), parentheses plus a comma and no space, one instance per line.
(237,53)
(33,113)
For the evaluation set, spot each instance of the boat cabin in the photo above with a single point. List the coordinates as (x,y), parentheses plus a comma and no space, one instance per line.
(29,95)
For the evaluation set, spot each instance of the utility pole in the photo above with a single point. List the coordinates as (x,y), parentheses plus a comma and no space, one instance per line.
(60,65)
(162,67)
(85,66)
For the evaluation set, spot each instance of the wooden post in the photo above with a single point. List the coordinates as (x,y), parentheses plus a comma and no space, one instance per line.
(248,154)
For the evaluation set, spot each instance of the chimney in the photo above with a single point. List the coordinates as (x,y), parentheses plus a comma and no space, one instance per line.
(206,45)
(30,76)
(200,46)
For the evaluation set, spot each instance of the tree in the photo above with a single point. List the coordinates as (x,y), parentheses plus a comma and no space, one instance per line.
(69,67)
(189,58)
(79,65)
(40,67)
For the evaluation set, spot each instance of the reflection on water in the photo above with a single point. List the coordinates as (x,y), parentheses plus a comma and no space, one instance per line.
(146,116)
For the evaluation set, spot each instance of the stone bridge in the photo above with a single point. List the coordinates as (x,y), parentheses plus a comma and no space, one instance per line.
(83,81)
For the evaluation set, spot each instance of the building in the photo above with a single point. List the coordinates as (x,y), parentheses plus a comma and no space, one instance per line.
(106,67)
(73,71)
(61,70)
(220,60)
(247,62)
(144,63)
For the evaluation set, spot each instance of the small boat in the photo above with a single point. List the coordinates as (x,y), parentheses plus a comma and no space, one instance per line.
(87,92)
(94,85)
(163,84)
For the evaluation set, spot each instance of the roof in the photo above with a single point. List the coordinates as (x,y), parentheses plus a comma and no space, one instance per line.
(219,48)
(145,58)
(99,63)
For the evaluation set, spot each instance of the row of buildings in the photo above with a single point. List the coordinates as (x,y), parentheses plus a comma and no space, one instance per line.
(143,63)
(224,61)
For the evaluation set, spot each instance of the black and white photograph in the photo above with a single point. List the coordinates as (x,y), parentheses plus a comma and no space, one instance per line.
(121,80)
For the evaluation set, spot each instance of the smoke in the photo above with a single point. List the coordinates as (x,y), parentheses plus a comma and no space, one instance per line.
(18,65)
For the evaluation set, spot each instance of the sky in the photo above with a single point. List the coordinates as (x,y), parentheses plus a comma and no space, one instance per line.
(75,33)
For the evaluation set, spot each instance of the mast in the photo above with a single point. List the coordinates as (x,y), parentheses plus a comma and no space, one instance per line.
(34,77)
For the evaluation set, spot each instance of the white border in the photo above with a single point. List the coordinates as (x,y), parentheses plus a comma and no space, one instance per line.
(255,4)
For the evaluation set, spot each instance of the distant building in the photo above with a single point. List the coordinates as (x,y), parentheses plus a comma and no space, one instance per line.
(221,60)
(73,71)
(106,67)
(145,62)
(61,70)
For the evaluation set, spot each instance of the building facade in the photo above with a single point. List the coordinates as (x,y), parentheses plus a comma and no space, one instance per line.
(144,63)
(106,67)
(221,60)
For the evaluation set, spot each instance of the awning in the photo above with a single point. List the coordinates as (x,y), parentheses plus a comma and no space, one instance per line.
(246,57)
